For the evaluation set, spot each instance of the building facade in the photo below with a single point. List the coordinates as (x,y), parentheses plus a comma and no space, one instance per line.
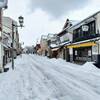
(1,47)
(65,39)
(6,41)
(44,45)
(86,39)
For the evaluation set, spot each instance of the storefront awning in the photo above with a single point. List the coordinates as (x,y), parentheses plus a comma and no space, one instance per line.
(88,44)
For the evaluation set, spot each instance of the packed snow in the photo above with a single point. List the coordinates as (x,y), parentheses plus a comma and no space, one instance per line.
(40,78)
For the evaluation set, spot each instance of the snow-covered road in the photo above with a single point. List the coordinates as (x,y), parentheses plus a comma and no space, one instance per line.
(40,78)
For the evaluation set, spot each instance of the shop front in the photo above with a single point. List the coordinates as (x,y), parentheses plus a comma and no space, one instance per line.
(82,51)
(82,54)
(55,52)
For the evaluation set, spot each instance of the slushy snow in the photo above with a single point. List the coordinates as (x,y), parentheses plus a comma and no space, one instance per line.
(40,78)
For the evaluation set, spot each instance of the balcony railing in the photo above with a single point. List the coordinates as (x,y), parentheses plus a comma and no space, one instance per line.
(77,39)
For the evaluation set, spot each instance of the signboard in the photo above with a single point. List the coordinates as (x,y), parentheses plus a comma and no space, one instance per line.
(3,3)
(95,50)
(85,28)
(76,53)
(89,53)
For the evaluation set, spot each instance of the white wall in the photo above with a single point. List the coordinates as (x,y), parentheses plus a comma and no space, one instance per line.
(67,36)
(98,22)
(7,27)
(95,50)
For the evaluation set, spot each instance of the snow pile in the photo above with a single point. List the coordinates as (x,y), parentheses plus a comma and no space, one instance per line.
(90,67)
(39,78)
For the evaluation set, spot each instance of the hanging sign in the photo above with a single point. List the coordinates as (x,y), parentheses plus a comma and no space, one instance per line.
(85,28)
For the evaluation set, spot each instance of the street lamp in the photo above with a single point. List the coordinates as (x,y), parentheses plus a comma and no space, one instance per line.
(21,21)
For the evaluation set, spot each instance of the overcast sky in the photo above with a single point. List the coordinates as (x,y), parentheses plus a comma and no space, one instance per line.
(48,16)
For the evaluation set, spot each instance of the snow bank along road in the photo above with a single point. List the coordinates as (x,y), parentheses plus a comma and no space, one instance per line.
(40,78)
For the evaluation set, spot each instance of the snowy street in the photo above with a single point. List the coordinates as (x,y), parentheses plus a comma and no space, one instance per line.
(40,78)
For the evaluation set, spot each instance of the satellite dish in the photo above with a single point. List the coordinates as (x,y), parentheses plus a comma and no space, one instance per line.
(3,3)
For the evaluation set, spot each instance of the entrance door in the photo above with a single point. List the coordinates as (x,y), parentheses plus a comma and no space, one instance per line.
(67,55)
(82,54)
(64,54)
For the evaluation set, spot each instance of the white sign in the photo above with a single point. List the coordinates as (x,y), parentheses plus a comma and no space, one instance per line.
(89,53)
(85,28)
(75,52)
(3,3)
(95,50)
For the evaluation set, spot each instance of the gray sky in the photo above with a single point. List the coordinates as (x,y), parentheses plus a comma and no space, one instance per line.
(57,8)
(48,16)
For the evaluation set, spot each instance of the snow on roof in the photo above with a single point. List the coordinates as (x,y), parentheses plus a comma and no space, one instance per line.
(84,20)
(60,45)
(53,45)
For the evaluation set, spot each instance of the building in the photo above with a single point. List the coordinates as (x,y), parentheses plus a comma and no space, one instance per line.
(6,41)
(29,50)
(37,49)
(44,45)
(1,48)
(86,39)
(7,33)
(65,39)
(53,41)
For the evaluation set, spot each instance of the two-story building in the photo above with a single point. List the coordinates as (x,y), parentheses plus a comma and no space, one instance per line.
(44,45)
(6,35)
(65,38)
(47,42)
(86,39)
(52,45)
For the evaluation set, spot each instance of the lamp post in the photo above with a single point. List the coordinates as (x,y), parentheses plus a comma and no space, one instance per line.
(21,21)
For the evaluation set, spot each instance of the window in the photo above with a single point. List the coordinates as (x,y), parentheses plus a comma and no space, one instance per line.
(92,30)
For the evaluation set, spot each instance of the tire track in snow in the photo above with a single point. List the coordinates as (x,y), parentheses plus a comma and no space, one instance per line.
(62,69)
(72,84)
(43,89)
(77,75)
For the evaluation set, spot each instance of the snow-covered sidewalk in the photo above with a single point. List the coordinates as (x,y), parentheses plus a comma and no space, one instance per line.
(40,78)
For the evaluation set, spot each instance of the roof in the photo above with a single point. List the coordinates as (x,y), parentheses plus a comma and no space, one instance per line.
(85,19)
(59,45)
(74,22)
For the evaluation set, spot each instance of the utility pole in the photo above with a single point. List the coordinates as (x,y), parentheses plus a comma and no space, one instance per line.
(12,45)
(21,21)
